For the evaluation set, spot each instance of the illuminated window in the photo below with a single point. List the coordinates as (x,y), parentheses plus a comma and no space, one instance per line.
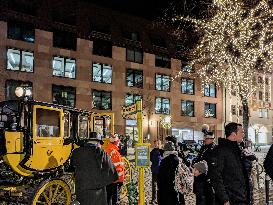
(187,108)
(162,82)
(131,98)
(210,110)
(162,105)
(210,90)
(102,73)
(64,67)
(187,86)
(19,60)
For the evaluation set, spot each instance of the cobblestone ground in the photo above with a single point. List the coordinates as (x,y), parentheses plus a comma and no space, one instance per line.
(259,188)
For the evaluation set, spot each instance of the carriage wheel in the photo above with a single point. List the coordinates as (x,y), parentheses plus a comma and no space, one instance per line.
(52,192)
(128,178)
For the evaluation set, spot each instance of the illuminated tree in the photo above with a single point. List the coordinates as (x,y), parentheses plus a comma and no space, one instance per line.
(236,44)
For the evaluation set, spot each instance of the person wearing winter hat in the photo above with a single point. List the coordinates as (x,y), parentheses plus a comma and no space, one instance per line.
(200,186)
(113,151)
(166,176)
(200,168)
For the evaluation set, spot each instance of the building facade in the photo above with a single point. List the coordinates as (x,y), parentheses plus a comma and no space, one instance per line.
(101,61)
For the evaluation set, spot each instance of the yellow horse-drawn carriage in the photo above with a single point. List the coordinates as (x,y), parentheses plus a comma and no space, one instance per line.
(36,142)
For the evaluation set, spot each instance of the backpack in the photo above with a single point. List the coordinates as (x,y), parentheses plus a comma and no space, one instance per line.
(183,181)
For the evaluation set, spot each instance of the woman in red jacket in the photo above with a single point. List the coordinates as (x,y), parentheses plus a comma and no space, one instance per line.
(113,151)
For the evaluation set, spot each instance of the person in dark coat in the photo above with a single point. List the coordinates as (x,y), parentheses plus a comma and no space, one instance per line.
(248,157)
(200,186)
(155,158)
(94,170)
(206,153)
(167,195)
(226,170)
(268,163)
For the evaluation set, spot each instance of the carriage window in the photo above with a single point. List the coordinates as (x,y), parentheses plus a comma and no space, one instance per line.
(47,123)
(83,127)
(66,125)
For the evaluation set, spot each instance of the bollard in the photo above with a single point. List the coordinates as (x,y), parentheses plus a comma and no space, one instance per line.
(267,179)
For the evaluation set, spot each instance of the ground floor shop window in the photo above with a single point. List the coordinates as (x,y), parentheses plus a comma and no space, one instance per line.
(131,131)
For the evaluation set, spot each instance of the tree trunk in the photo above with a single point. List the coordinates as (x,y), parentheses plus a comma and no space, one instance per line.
(245,118)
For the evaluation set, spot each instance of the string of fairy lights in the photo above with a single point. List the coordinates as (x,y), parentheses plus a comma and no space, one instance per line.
(237,45)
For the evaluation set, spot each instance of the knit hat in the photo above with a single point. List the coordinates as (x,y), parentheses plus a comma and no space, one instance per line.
(169,146)
(202,167)
(114,139)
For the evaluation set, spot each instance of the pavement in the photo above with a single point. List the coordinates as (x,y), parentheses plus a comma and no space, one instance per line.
(259,181)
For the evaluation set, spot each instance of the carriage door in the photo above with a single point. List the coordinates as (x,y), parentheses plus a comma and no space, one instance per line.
(48,138)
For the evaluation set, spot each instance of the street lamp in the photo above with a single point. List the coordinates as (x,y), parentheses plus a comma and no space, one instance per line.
(23,91)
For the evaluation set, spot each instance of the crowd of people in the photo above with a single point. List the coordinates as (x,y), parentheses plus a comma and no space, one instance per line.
(221,173)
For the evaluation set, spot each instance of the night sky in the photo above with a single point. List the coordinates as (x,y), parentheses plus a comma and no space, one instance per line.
(152,9)
(149,9)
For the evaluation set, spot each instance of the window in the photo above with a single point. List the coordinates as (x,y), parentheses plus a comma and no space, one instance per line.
(241,111)
(158,41)
(134,78)
(131,98)
(162,61)
(162,105)
(134,36)
(260,95)
(20,31)
(210,90)
(266,81)
(266,96)
(210,110)
(11,85)
(131,131)
(233,110)
(47,123)
(102,73)
(260,79)
(83,128)
(188,69)
(187,86)
(20,60)
(102,48)
(100,27)
(233,91)
(163,82)
(134,55)
(102,100)
(66,40)
(67,125)
(63,95)
(263,113)
(64,67)
(187,108)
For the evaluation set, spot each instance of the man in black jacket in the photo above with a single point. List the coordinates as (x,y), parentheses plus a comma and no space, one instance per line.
(226,170)
(94,170)
(268,162)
